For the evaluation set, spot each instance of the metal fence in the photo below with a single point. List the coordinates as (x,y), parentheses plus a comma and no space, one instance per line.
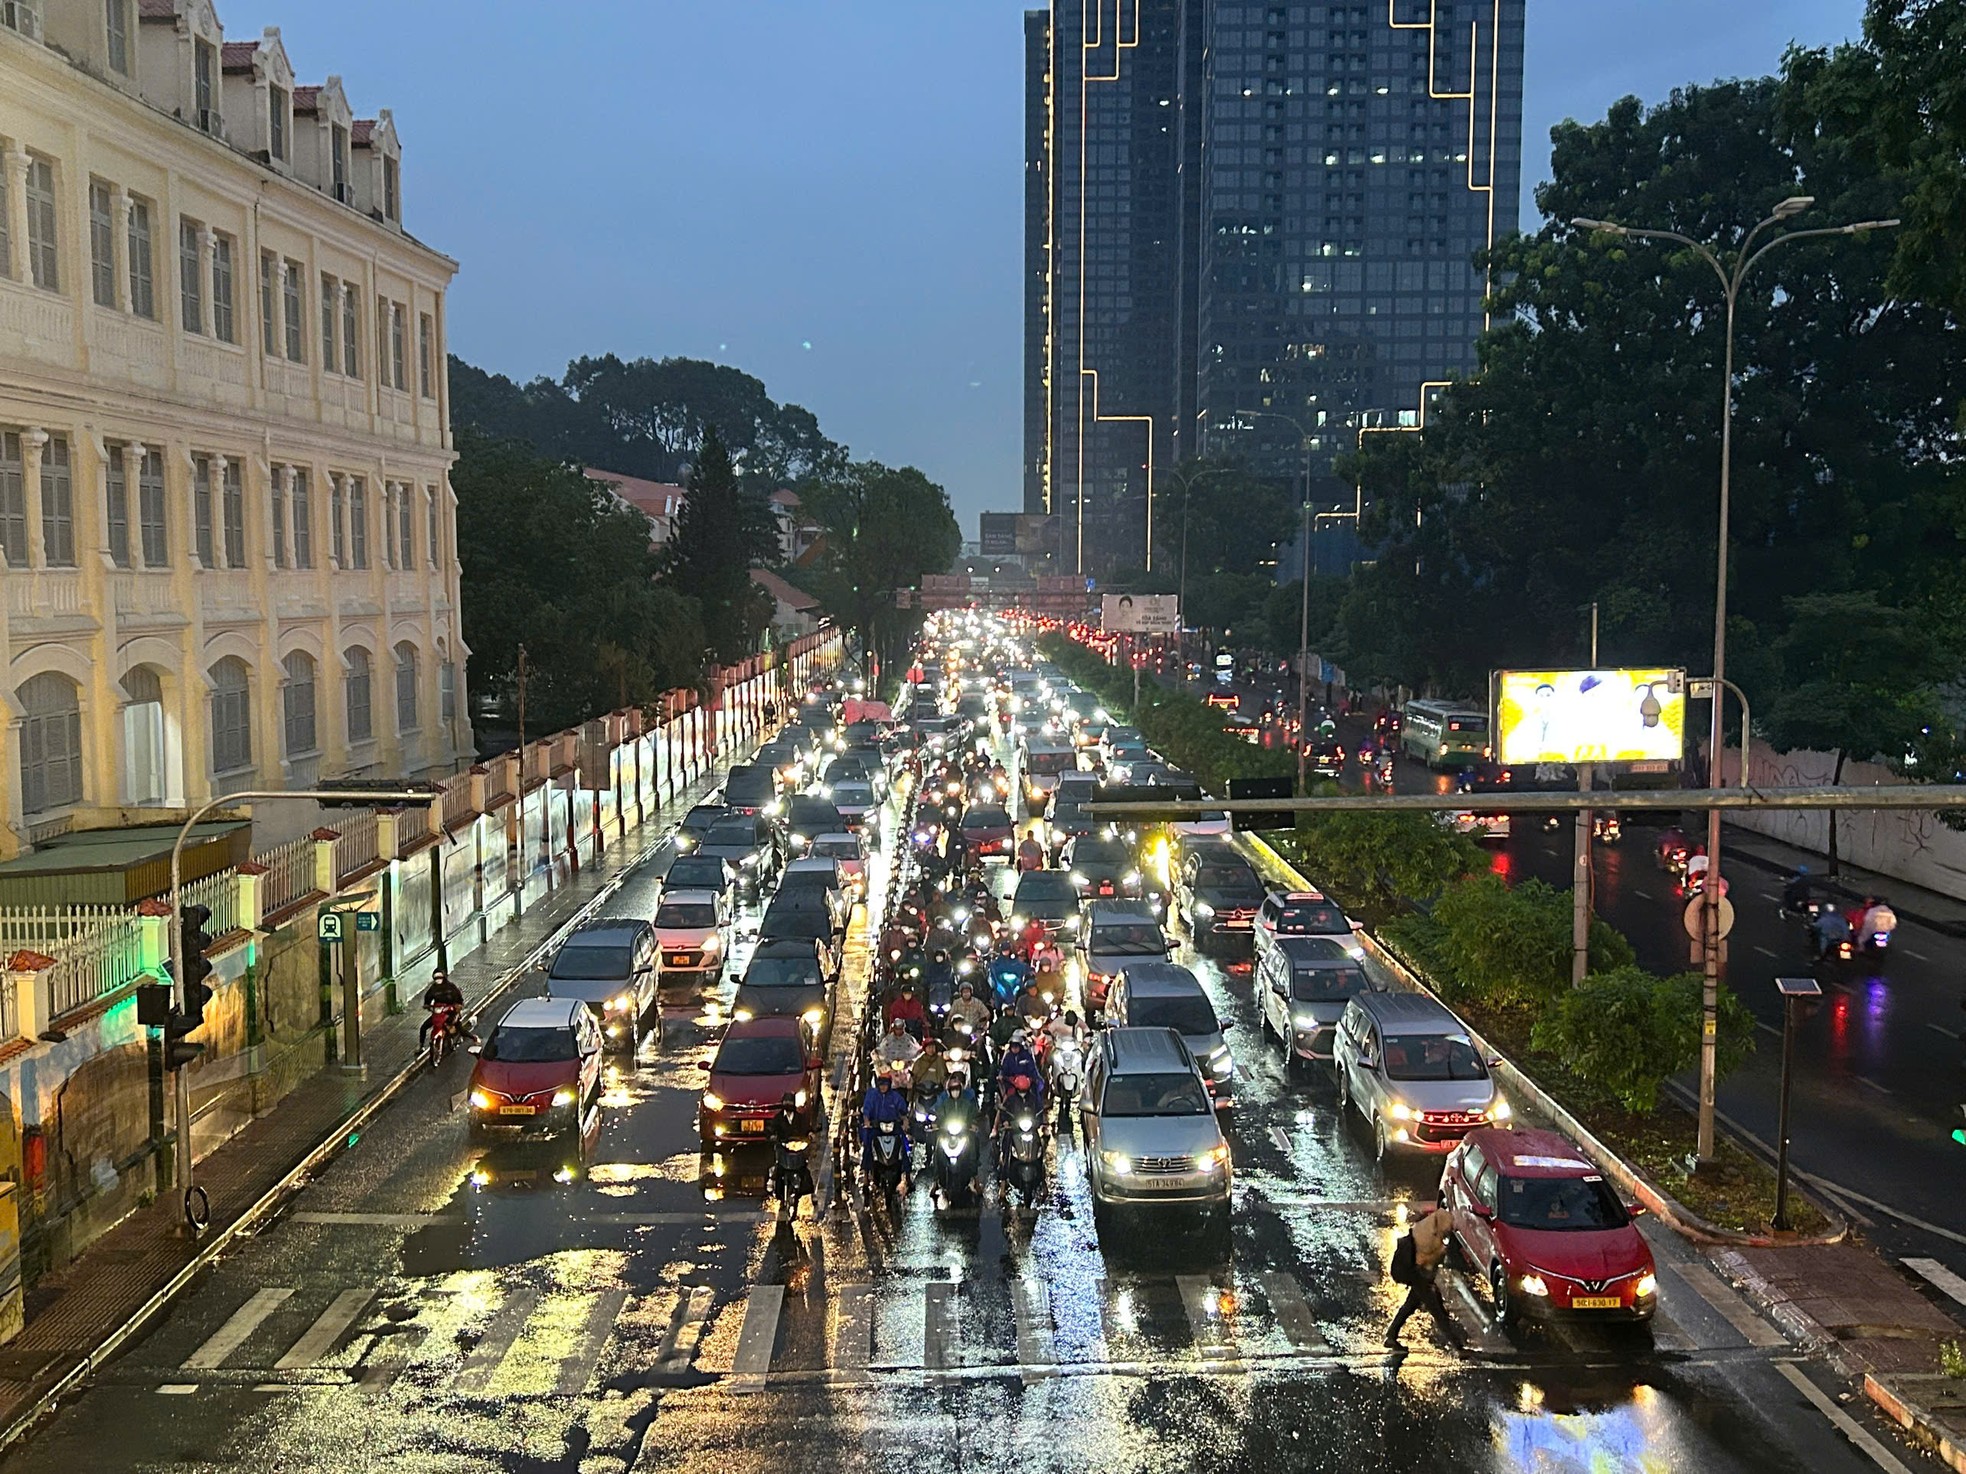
(412,827)
(457,801)
(356,848)
(219,893)
(91,967)
(289,874)
(50,929)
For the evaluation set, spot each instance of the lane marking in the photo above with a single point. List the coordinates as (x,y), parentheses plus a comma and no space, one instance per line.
(1848,1426)
(378,1220)
(1766,951)
(938,1326)
(1917,956)
(1767,1028)
(500,1335)
(320,1337)
(853,1331)
(1707,1285)
(1035,1349)
(1938,1275)
(1278,1135)
(1287,1304)
(578,1365)
(756,1339)
(1641,893)
(1880,1089)
(177,1389)
(1202,1299)
(1941,1029)
(243,1322)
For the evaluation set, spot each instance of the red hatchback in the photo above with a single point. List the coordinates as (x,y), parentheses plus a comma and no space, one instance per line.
(1533,1213)
(759,1063)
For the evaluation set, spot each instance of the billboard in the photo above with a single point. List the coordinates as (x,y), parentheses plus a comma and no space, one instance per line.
(1140,614)
(997,533)
(1590,716)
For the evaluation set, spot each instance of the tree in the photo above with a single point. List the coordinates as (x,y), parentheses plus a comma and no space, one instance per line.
(721,533)
(550,560)
(1225,518)
(885,527)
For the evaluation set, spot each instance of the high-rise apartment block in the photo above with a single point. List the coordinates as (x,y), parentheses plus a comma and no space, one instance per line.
(1259,241)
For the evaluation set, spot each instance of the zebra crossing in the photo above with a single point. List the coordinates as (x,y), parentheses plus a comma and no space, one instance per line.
(478,1338)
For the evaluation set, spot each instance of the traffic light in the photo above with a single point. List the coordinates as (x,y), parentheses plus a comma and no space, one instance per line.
(1249,819)
(1960,1134)
(193,966)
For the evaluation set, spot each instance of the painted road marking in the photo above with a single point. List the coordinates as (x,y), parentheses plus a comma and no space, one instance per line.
(1641,893)
(1707,1285)
(578,1365)
(1880,1089)
(320,1337)
(685,1328)
(500,1335)
(751,1364)
(853,1330)
(1943,1030)
(1848,1426)
(1280,1138)
(1766,951)
(243,1322)
(1940,1276)
(1918,956)
(939,1326)
(1035,1349)
(378,1220)
(1209,1309)
(1287,1304)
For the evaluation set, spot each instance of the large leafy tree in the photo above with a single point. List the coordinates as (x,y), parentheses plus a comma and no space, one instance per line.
(722,531)
(885,527)
(551,561)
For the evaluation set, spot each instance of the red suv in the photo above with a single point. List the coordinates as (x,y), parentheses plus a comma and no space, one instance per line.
(538,1072)
(1534,1214)
(759,1063)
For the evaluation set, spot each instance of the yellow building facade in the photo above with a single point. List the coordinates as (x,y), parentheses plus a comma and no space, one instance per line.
(227,533)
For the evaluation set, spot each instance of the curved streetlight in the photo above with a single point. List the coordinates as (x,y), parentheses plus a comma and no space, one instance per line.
(1730,285)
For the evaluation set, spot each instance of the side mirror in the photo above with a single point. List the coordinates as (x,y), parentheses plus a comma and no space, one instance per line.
(1280,990)
(1494,1061)
(1636,1210)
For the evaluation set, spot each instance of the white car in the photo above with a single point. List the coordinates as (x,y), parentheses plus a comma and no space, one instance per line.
(850,853)
(689,938)
(1302,914)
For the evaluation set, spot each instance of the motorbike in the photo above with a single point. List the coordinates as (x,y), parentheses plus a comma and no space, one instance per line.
(446,1028)
(1605,829)
(1020,1158)
(955,1160)
(1066,1068)
(790,1177)
(887,1162)
(921,1113)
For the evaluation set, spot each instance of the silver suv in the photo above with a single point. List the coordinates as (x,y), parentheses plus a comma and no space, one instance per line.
(1117,934)
(1165,995)
(1151,1137)
(1413,1072)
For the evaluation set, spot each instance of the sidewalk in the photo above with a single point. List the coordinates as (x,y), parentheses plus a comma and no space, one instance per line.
(81,1314)
(1941,912)
(1870,1321)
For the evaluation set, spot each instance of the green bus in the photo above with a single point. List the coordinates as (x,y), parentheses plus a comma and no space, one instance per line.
(1446,734)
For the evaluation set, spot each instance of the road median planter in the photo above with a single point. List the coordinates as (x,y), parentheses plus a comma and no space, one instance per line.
(1525,1089)
(1932,1408)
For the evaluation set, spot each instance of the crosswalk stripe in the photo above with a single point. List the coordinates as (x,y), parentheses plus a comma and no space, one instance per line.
(504,1329)
(1203,1301)
(1034,1342)
(686,1328)
(1941,1277)
(243,1322)
(320,1337)
(1293,1314)
(853,1330)
(938,1326)
(578,1365)
(756,1338)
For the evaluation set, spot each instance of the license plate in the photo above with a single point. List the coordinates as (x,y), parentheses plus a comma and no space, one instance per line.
(679,959)
(1595,1302)
(1161,1184)
(1234,925)
(751,1128)
(518,1110)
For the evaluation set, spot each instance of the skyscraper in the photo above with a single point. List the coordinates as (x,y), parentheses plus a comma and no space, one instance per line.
(1261,236)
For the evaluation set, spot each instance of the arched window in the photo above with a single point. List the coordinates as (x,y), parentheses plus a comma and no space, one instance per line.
(299,704)
(406,687)
(232,716)
(357,696)
(50,743)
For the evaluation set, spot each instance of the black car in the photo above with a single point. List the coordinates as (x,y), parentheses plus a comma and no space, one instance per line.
(786,979)
(1325,758)
(803,916)
(749,787)
(1220,892)
(744,843)
(800,819)
(1102,869)
(699,872)
(696,823)
(1048,896)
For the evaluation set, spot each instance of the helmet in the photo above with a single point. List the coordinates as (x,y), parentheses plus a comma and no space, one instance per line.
(1072,1017)
(1801,870)
(1020,1082)
(895,1025)
(966,988)
(788,1101)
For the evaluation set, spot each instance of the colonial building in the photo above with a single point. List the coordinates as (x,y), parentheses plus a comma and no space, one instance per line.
(226,523)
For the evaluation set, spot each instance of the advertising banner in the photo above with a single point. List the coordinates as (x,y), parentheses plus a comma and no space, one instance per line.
(1590,716)
(1140,614)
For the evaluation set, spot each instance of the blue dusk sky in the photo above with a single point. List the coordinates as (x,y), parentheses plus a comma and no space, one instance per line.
(825,193)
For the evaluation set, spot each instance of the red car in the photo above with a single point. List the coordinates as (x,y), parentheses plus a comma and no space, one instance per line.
(987,831)
(758,1064)
(1534,1214)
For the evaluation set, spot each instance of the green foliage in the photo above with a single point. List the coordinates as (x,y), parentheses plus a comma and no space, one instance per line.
(885,528)
(1378,862)
(551,560)
(1219,518)
(1625,1032)
(722,530)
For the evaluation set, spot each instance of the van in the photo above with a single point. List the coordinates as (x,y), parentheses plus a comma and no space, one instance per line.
(1165,995)
(1412,1071)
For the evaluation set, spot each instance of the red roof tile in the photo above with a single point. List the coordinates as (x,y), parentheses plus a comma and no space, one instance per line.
(651,498)
(782,591)
(237,56)
(362,130)
(157,9)
(307,99)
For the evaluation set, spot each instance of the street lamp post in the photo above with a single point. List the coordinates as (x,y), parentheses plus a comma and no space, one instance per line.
(1730,284)
(1181,595)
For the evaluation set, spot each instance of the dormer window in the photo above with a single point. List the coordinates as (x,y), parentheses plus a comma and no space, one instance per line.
(116,18)
(277,103)
(204,85)
(391,207)
(338,146)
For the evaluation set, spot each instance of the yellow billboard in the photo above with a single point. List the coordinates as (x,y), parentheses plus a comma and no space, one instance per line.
(1590,716)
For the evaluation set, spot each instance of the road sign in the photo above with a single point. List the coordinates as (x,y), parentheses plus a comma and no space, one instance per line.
(330,926)
(1696,922)
(368,921)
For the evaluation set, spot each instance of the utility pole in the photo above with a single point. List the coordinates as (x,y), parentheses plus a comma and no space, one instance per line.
(1582,877)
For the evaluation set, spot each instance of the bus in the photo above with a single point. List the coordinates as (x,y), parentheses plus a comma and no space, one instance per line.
(1444,733)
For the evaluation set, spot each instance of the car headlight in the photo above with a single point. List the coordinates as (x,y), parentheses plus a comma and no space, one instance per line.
(563,1097)
(1203,909)
(480,1101)
(1647,1286)
(714,942)
(1401,1111)
(814,1017)
(1303,1020)
(1215,1156)
(799,841)
(1132,877)
(1078,877)
(1532,1284)
(621,1002)
(712,1101)
(685,842)
(1118,1163)
(1499,1111)
(775,808)
(742,1015)
(799,1099)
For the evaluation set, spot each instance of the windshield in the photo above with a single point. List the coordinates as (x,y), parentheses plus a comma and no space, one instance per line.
(1050,764)
(1051,885)
(1100,852)
(1131,938)
(686,914)
(1556,1203)
(749,784)
(986,818)
(593,960)
(812,813)
(702,816)
(1226,877)
(1155,1095)
(852,793)
(1311,917)
(1183,1015)
(1321,984)
(837,849)
(530,1046)
(744,832)
(698,872)
(773,1054)
(782,972)
(1433,1057)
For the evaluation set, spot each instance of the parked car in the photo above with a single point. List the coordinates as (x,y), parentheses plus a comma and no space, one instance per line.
(1151,1137)
(537,1072)
(1407,1065)
(1302,914)
(689,930)
(1165,995)
(1302,988)
(610,966)
(759,1062)
(1534,1215)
